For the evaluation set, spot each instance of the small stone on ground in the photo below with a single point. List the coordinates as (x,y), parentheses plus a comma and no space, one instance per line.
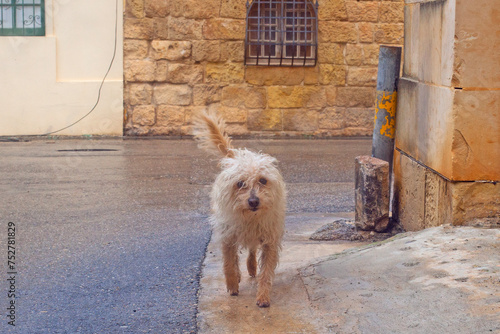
(343,229)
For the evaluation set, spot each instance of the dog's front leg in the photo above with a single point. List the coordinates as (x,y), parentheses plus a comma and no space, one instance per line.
(268,262)
(252,262)
(231,267)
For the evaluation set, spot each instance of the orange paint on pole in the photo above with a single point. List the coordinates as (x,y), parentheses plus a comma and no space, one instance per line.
(387,102)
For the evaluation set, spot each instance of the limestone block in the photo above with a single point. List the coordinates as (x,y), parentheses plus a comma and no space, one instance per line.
(206,94)
(336,31)
(331,53)
(332,10)
(371,194)
(356,132)
(423,198)
(179,95)
(237,129)
(424,124)
(139,93)
(244,96)
(359,118)
(475,146)
(391,12)
(435,42)
(232,51)
(183,29)
(134,8)
(366,32)
(296,97)
(160,28)
(356,97)
(265,120)
(366,11)
(234,9)
(332,74)
(354,54)
(139,70)
(204,50)
(224,73)
(138,28)
(156,8)
(476,44)
(411,41)
(190,111)
(267,76)
(409,193)
(137,131)
(170,117)
(331,95)
(135,49)
(226,29)
(328,133)
(300,120)
(311,76)
(370,54)
(186,128)
(473,201)
(230,114)
(143,115)
(362,76)
(161,71)
(195,9)
(170,50)
(429,38)
(332,118)
(181,73)
(165,131)
(389,33)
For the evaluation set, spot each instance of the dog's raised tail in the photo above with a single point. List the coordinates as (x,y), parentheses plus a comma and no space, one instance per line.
(209,132)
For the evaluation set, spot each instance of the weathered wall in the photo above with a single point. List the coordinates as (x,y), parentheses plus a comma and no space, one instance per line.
(448,123)
(184,55)
(449,96)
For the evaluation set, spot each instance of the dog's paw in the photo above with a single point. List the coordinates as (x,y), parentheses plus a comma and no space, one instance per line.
(263,302)
(252,273)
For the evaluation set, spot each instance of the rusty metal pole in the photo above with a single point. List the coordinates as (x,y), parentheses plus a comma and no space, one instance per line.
(385,110)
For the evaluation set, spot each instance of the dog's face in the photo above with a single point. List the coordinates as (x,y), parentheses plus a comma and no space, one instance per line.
(249,184)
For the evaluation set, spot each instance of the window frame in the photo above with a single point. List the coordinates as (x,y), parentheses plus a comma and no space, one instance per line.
(295,18)
(26,29)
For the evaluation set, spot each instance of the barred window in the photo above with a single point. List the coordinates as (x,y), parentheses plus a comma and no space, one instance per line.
(281,33)
(22,18)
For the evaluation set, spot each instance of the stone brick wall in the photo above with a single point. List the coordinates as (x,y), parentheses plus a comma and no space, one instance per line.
(185,55)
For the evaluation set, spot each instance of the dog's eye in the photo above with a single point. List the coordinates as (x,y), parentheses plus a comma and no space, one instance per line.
(240,184)
(263,181)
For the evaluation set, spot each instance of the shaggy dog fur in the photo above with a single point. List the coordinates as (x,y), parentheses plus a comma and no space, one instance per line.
(248,206)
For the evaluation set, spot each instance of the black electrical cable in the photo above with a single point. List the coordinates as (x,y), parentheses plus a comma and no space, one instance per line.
(102,82)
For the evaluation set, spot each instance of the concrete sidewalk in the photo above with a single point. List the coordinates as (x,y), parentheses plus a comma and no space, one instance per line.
(440,280)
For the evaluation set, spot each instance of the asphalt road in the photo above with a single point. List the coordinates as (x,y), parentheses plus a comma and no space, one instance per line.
(110,237)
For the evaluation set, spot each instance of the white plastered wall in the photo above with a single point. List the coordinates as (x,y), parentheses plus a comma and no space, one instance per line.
(51,81)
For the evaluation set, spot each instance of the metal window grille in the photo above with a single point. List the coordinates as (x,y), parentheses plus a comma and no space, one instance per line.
(281,33)
(22,18)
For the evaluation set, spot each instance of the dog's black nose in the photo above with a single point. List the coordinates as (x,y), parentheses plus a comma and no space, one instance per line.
(253,201)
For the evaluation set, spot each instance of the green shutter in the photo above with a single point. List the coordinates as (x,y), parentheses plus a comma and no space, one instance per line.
(22,18)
